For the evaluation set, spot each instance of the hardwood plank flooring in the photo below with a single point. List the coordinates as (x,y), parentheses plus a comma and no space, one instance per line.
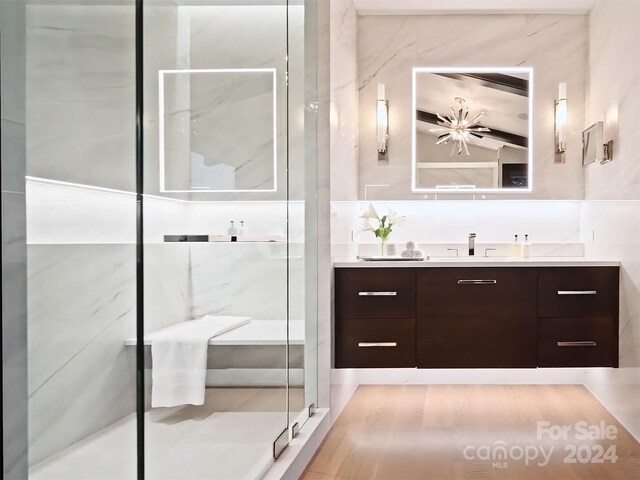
(445,432)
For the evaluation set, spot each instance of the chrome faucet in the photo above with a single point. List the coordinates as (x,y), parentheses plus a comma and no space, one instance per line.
(472,244)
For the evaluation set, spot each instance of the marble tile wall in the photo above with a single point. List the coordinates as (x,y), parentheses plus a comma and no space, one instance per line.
(247,278)
(80,117)
(81,93)
(344,101)
(390,46)
(81,307)
(14,252)
(613,97)
(611,213)
(450,222)
(232,36)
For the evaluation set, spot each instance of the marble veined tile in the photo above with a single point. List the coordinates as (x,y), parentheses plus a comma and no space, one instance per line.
(81,307)
(80,93)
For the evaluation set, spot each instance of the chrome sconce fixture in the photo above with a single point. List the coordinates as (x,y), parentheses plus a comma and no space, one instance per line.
(561,124)
(382,123)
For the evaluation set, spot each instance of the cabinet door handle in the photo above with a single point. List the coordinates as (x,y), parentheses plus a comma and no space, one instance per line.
(477,282)
(577,292)
(589,343)
(377,344)
(377,294)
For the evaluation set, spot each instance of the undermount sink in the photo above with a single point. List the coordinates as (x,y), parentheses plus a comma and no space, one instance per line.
(468,259)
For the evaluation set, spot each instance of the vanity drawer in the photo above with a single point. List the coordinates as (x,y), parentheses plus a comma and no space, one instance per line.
(375,343)
(509,292)
(577,342)
(578,292)
(375,293)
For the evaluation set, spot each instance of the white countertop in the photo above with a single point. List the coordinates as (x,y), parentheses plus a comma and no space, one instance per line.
(441,262)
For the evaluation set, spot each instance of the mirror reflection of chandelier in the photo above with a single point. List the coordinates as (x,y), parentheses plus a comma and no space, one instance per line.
(458,128)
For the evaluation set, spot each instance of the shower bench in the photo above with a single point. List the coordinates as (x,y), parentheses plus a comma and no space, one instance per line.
(251,355)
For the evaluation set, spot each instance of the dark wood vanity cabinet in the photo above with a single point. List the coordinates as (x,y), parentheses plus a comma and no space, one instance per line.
(375,318)
(578,317)
(476,317)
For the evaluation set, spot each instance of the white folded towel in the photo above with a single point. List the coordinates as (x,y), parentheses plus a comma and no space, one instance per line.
(406,254)
(416,254)
(411,246)
(179,358)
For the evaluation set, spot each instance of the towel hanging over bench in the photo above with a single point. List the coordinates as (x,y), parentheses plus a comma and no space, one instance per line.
(179,357)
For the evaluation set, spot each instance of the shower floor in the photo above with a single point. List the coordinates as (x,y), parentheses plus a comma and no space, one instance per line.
(229,437)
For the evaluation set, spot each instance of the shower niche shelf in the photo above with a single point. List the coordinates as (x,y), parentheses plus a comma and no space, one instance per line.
(225,238)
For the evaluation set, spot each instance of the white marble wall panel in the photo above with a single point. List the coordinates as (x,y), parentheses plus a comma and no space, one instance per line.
(81,307)
(611,214)
(81,93)
(611,229)
(63,213)
(344,101)
(14,251)
(244,279)
(450,222)
(232,36)
(390,46)
(614,98)
(260,218)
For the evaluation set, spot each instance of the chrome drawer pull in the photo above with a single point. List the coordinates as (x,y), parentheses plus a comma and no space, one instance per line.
(577,344)
(377,294)
(377,344)
(477,282)
(577,292)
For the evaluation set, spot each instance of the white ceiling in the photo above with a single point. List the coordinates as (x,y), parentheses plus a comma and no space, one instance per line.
(437,7)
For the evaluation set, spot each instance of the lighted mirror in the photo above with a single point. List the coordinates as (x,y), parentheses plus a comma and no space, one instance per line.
(217,130)
(472,129)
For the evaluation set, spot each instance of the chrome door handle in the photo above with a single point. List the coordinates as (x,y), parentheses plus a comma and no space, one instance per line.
(377,344)
(477,282)
(577,292)
(377,294)
(589,343)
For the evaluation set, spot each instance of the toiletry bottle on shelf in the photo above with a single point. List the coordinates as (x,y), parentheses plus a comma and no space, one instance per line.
(526,247)
(241,229)
(232,230)
(514,251)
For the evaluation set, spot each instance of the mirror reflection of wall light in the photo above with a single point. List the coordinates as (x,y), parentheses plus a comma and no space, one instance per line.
(561,123)
(382,109)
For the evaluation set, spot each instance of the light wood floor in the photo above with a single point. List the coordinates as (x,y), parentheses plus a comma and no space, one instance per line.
(421,432)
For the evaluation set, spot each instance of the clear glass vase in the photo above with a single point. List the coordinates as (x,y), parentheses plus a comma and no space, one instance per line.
(383,246)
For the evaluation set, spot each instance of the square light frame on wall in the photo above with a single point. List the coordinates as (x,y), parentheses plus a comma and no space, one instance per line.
(161,132)
(466,189)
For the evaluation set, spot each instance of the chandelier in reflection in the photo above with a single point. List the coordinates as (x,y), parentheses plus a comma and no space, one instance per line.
(458,127)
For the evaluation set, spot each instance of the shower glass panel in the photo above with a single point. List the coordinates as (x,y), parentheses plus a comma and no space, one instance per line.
(229,236)
(217,238)
(80,225)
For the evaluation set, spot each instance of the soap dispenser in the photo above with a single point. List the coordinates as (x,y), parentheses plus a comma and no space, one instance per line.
(232,230)
(526,247)
(514,251)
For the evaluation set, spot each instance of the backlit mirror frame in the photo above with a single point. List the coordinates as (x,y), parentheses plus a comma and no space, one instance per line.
(464,188)
(161,121)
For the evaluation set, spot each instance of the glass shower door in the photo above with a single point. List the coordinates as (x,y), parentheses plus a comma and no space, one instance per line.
(217,238)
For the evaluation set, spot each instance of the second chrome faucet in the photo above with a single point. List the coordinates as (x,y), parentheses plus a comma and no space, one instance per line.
(472,244)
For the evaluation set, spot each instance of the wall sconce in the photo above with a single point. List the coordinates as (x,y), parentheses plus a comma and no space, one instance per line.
(382,107)
(561,123)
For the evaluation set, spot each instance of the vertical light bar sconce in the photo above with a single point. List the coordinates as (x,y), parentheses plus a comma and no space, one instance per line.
(382,107)
(561,123)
